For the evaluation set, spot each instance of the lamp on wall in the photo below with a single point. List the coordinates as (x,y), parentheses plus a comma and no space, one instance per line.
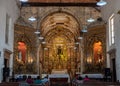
(101,3)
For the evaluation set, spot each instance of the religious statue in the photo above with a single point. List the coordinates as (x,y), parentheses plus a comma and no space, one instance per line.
(22,51)
(98,52)
(59,51)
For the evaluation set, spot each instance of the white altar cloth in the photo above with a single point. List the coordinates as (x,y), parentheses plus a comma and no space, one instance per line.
(59,76)
(100,76)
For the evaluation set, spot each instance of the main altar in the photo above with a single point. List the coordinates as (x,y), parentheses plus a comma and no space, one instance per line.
(60,56)
(59,76)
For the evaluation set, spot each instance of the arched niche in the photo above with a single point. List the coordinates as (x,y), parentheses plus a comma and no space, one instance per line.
(24,50)
(95,49)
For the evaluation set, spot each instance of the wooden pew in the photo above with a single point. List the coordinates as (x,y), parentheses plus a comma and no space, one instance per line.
(97,83)
(60,81)
(9,84)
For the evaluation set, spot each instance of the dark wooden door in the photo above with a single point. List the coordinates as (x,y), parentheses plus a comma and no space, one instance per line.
(114,69)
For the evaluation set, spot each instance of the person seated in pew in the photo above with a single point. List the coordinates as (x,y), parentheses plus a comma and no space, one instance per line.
(86,78)
(29,80)
(45,79)
(38,80)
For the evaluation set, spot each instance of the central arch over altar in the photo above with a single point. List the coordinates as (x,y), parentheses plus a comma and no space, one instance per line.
(60,30)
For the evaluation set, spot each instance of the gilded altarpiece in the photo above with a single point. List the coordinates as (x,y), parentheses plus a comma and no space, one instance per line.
(24,50)
(59,55)
(95,49)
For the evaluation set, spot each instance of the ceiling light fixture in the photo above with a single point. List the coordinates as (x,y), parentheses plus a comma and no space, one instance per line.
(75,48)
(84,30)
(45,48)
(41,37)
(101,3)
(90,20)
(32,19)
(80,37)
(37,32)
(77,43)
(23,0)
(37,22)
(43,42)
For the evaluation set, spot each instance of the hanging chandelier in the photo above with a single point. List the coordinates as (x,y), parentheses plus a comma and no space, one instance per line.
(90,20)
(33,19)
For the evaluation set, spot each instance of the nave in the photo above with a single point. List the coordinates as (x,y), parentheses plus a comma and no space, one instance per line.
(50,37)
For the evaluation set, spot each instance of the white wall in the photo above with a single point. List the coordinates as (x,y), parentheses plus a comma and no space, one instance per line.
(112,7)
(9,7)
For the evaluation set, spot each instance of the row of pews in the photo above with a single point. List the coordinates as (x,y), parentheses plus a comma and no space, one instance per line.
(9,84)
(59,82)
(96,83)
(21,84)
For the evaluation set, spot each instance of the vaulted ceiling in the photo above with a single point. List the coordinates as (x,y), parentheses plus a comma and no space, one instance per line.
(59,18)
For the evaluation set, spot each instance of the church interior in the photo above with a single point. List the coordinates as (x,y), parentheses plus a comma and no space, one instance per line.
(61,30)
(69,37)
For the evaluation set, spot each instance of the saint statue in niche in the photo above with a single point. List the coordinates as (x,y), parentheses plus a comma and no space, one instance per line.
(59,54)
(22,51)
(59,51)
(97,49)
